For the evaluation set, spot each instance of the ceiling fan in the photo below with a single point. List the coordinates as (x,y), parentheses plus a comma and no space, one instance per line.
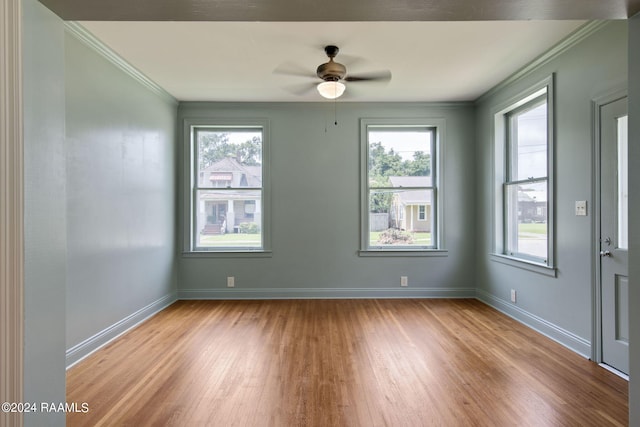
(333,74)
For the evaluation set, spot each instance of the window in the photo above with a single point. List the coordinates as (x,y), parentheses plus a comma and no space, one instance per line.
(399,186)
(422,213)
(623,182)
(227,188)
(524,147)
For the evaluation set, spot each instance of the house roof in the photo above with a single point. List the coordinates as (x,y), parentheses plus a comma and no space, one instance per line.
(412,197)
(532,196)
(227,164)
(410,181)
(252,174)
(415,197)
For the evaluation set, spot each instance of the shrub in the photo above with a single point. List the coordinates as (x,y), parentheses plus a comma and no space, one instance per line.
(393,236)
(249,228)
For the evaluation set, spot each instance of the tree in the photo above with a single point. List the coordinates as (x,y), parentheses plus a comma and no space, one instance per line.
(215,146)
(379,201)
(419,166)
(249,152)
(212,147)
(384,164)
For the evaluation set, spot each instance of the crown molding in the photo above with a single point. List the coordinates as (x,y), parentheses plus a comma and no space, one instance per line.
(565,44)
(82,34)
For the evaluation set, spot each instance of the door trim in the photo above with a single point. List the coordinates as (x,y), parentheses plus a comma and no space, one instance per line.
(11,210)
(596,292)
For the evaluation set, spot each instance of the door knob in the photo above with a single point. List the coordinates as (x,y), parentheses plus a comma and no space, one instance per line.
(605,253)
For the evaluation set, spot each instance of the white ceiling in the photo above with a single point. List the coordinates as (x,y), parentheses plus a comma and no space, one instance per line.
(235,61)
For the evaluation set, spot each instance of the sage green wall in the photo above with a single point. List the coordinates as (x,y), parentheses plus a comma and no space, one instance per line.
(561,306)
(315,190)
(44,211)
(315,209)
(120,178)
(634,219)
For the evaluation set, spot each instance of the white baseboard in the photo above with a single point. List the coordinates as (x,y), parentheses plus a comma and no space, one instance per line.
(325,293)
(79,351)
(556,333)
(614,371)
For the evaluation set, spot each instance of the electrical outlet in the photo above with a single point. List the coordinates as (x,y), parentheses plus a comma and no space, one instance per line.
(231,282)
(404,281)
(513,295)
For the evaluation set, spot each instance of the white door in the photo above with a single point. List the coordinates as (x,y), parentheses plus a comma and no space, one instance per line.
(614,266)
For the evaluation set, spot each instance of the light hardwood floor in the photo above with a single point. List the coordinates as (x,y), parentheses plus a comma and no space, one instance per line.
(341,363)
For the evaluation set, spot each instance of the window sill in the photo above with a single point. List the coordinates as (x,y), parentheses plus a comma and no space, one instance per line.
(228,254)
(403,253)
(524,264)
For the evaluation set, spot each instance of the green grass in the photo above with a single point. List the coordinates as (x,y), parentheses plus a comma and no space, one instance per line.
(533,228)
(420,238)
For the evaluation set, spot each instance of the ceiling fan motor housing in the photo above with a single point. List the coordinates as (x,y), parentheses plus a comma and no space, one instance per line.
(331,71)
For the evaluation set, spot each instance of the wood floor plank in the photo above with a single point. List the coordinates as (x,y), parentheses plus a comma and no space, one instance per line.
(341,363)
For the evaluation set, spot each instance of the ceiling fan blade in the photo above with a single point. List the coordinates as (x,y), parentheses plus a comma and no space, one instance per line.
(351,61)
(291,69)
(378,76)
(300,89)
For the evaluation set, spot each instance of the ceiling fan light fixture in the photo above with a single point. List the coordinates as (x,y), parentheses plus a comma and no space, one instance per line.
(331,89)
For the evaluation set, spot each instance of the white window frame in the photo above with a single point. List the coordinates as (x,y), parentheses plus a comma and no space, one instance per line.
(544,88)
(437,247)
(190,125)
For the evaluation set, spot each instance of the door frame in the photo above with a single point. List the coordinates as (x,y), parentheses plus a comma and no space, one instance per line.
(11,211)
(596,106)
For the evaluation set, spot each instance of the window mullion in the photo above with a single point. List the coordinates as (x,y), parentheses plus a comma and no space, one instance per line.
(528,181)
(402,188)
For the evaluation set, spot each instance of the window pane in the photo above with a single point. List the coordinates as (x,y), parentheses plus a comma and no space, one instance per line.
(397,151)
(228,219)
(229,158)
(526,219)
(401,218)
(623,184)
(528,146)
(422,213)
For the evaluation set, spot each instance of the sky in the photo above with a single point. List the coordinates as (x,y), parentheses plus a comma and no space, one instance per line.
(403,143)
(532,144)
(241,137)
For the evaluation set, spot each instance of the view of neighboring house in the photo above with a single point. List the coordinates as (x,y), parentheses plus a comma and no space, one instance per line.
(411,210)
(532,207)
(224,211)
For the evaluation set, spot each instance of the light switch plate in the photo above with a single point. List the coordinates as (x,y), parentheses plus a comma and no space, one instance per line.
(581,208)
